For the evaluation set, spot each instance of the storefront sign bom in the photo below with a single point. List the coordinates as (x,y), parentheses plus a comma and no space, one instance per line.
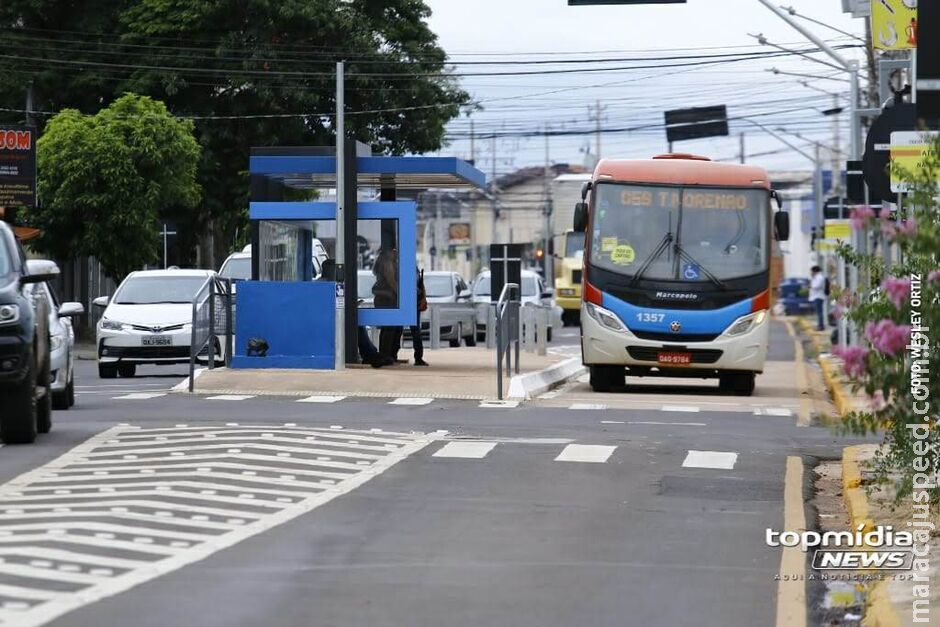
(17,166)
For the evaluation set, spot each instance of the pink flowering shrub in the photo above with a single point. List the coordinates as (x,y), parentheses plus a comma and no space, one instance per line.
(898,290)
(854,359)
(861,216)
(887,337)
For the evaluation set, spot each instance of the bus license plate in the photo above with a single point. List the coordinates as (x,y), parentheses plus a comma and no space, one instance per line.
(156,340)
(674,359)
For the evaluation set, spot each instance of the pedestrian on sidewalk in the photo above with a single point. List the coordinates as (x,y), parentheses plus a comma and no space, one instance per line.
(416,339)
(385,291)
(818,291)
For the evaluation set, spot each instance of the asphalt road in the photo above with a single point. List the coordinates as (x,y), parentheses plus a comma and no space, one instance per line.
(362,512)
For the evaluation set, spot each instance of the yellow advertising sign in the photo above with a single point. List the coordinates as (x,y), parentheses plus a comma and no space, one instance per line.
(894,24)
(838,229)
(908,150)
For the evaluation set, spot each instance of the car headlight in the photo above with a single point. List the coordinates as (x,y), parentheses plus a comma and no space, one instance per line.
(56,342)
(566,291)
(746,323)
(111,325)
(9,314)
(605,318)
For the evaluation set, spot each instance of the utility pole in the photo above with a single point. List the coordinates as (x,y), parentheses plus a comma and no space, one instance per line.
(547,217)
(820,216)
(598,131)
(435,263)
(493,192)
(741,137)
(340,317)
(29,104)
(836,151)
(472,143)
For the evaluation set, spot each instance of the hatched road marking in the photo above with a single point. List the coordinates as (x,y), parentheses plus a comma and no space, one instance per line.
(710,459)
(465,450)
(139,396)
(229,397)
(321,399)
(587,453)
(686,408)
(587,406)
(131,504)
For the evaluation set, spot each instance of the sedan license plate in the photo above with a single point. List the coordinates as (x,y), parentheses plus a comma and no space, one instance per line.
(674,359)
(156,340)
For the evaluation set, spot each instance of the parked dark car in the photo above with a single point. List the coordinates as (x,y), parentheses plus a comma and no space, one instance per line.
(25,377)
(794,296)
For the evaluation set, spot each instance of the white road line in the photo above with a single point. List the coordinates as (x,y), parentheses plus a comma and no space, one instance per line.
(710,459)
(498,404)
(686,408)
(549,395)
(411,401)
(588,406)
(772,411)
(465,450)
(321,399)
(55,524)
(230,397)
(586,453)
(139,396)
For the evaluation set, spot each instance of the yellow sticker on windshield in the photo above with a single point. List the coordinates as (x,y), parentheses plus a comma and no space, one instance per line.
(608,244)
(623,255)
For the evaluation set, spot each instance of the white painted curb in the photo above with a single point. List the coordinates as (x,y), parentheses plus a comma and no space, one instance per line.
(534,383)
(183,386)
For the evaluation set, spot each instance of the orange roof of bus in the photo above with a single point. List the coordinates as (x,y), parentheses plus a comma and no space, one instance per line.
(680,169)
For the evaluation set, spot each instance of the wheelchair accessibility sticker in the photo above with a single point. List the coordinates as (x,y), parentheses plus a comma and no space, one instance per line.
(691,272)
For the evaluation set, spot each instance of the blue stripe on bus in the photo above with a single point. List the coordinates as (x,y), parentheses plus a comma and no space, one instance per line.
(657,320)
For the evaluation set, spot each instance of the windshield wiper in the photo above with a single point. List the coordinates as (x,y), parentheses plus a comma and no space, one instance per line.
(663,246)
(681,253)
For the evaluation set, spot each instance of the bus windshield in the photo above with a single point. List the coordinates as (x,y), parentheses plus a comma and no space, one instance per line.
(574,244)
(679,233)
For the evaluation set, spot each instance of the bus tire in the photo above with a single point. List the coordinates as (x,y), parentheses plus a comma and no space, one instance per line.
(605,378)
(738,383)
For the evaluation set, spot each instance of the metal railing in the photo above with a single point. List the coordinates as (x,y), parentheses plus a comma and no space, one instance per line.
(213,318)
(507,332)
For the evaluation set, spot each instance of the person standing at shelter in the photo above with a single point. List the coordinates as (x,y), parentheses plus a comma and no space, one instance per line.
(416,340)
(385,292)
(818,290)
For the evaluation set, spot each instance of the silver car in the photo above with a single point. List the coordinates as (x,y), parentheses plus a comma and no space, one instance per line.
(62,335)
(451,295)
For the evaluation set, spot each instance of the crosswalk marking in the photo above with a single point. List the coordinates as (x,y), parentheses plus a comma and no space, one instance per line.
(772,411)
(685,408)
(710,459)
(125,506)
(498,404)
(465,450)
(411,401)
(229,397)
(588,406)
(587,453)
(321,399)
(139,396)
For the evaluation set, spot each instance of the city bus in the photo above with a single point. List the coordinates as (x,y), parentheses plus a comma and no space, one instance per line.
(676,276)
(568,278)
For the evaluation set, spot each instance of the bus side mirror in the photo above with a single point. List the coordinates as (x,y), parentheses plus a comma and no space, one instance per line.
(585,188)
(580,217)
(776,196)
(782,226)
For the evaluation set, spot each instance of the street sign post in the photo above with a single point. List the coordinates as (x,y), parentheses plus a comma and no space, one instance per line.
(908,150)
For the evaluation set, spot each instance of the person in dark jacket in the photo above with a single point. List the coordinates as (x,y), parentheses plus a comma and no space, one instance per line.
(416,339)
(385,292)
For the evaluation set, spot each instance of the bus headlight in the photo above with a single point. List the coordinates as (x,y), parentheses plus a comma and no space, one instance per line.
(746,323)
(605,318)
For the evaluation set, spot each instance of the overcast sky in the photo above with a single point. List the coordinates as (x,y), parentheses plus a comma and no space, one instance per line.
(540,29)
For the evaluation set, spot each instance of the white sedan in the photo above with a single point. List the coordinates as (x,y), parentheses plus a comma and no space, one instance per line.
(148,321)
(61,335)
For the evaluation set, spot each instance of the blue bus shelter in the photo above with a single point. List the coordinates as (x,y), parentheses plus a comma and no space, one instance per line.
(288,303)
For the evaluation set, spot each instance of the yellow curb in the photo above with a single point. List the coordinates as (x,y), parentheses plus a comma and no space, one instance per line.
(839,397)
(879,611)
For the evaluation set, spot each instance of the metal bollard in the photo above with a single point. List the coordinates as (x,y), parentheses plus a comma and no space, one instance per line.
(435,325)
(528,328)
(490,326)
(541,329)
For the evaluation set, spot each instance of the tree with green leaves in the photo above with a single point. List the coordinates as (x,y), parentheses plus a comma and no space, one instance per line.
(249,72)
(106,179)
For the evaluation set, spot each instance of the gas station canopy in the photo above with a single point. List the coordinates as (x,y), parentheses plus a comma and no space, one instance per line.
(403,173)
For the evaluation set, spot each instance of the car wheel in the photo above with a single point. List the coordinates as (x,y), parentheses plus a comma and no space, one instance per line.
(107,371)
(44,404)
(606,378)
(70,391)
(455,343)
(127,370)
(18,424)
(471,340)
(548,334)
(60,400)
(738,384)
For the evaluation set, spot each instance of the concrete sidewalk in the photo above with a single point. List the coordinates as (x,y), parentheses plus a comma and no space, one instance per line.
(462,373)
